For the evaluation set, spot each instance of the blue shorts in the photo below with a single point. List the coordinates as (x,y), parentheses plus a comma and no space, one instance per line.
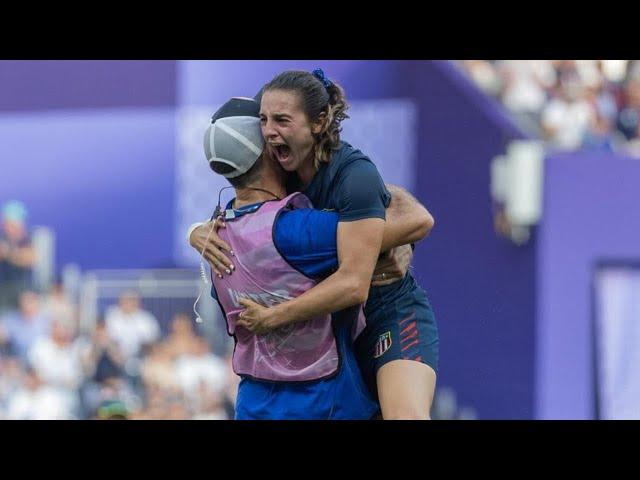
(400,325)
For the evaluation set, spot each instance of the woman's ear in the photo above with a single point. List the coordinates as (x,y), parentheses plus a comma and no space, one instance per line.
(318,125)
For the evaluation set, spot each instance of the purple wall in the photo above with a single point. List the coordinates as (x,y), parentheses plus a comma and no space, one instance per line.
(590,213)
(102,179)
(56,84)
(481,287)
(89,147)
(213,82)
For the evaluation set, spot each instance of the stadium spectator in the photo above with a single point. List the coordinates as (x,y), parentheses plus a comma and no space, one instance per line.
(36,400)
(567,116)
(103,358)
(485,74)
(572,104)
(49,369)
(112,410)
(182,337)
(17,256)
(58,306)
(56,358)
(209,404)
(628,121)
(158,369)
(524,87)
(130,326)
(20,329)
(11,379)
(198,366)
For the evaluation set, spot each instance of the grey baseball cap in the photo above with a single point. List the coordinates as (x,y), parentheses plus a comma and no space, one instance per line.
(234,136)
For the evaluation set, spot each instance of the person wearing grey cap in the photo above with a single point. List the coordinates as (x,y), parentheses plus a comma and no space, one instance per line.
(305,239)
(398,350)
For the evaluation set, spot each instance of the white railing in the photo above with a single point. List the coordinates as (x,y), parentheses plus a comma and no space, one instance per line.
(163,292)
(43,241)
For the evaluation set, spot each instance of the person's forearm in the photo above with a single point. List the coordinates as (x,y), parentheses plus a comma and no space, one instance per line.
(358,250)
(336,292)
(407,220)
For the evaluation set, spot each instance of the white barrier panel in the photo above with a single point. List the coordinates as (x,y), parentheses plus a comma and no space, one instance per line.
(524,185)
(617,331)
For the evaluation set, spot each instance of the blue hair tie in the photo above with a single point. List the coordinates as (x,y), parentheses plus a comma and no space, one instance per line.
(319,74)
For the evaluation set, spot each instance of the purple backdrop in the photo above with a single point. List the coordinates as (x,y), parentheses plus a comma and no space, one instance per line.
(213,82)
(481,287)
(54,84)
(102,179)
(590,214)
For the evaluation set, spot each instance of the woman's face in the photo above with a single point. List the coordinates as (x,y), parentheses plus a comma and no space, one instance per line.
(286,129)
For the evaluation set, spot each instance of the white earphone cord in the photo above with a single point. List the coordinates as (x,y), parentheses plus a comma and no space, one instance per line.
(203,274)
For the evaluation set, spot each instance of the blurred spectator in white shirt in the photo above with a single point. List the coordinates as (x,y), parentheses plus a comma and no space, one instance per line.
(57,358)
(526,83)
(130,326)
(485,75)
(567,117)
(36,400)
(11,379)
(200,366)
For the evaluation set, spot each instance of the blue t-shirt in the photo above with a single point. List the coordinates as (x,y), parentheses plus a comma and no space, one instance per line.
(351,185)
(307,240)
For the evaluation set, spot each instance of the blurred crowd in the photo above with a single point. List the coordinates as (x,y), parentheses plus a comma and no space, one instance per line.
(572,104)
(121,366)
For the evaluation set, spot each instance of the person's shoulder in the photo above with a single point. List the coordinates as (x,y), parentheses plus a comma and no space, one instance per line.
(299,217)
(289,223)
(346,157)
(347,153)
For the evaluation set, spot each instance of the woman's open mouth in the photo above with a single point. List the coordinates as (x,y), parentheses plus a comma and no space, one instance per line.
(283,152)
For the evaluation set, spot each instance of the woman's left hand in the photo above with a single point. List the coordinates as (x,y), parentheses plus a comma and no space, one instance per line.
(255,318)
(393,266)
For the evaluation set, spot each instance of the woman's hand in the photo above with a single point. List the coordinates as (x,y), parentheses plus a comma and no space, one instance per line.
(392,266)
(206,237)
(256,318)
